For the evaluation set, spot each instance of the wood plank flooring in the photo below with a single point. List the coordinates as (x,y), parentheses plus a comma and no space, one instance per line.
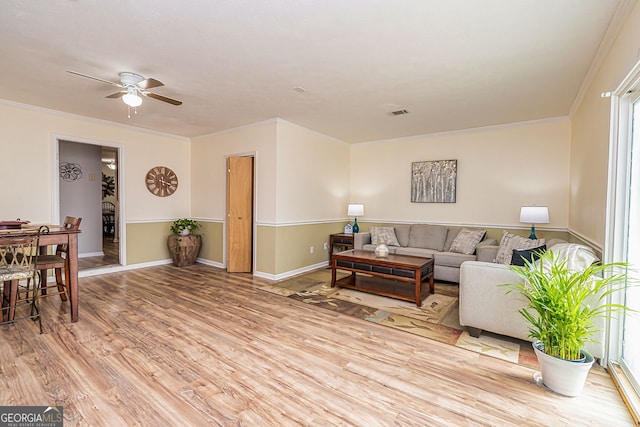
(111,256)
(195,346)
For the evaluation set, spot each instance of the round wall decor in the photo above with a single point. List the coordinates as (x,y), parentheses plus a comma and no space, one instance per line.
(161,181)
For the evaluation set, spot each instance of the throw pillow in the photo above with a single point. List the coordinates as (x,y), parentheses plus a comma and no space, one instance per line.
(384,235)
(529,255)
(466,241)
(578,256)
(510,242)
(451,236)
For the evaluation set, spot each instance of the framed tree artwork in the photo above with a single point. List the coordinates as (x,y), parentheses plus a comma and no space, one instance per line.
(434,181)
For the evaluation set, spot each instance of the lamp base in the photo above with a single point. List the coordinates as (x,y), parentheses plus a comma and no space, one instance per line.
(532,236)
(356,228)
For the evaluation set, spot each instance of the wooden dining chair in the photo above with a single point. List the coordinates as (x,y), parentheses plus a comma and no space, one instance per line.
(18,261)
(57,262)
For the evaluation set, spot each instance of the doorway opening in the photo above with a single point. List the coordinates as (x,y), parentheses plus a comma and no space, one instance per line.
(92,192)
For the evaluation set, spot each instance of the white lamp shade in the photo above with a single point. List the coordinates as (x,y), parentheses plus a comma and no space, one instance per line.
(534,214)
(355,210)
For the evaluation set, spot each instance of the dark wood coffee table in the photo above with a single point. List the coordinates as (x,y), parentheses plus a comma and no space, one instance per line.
(396,276)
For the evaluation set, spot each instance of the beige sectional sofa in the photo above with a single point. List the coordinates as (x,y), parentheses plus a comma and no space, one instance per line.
(486,305)
(433,241)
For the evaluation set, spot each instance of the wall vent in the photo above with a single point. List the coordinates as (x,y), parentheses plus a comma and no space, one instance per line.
(399,112)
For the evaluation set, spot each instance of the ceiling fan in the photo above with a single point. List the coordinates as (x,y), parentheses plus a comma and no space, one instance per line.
(133,85)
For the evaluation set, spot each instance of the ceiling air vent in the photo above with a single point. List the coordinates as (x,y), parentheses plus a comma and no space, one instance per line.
(399,112)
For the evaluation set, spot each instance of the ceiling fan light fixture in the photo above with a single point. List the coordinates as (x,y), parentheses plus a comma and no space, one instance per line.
(131,98)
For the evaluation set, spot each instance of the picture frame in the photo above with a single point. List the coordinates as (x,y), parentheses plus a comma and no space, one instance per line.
(434,181)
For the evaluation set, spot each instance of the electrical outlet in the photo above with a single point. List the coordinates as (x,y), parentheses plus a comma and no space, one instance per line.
(311,249)
(326,246)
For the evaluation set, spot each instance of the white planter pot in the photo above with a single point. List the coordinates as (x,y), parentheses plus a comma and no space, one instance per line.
(563,376)
(184,232)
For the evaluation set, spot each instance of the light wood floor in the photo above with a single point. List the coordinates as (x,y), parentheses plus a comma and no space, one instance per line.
(167,346)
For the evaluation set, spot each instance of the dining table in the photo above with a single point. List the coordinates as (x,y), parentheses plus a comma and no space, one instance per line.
(56,235)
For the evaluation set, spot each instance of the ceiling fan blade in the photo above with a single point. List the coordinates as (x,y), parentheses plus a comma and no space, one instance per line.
(117,94)
(95,78)
(149,83)
(162,98)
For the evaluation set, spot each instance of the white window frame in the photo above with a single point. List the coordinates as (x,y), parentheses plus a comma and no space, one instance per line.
(617,219)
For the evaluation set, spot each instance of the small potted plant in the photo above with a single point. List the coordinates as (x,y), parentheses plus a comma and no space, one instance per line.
(563,308)
(184,242)
(184,227)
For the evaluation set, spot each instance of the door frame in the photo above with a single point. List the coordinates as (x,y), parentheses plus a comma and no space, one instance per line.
(254,207)
(55,183)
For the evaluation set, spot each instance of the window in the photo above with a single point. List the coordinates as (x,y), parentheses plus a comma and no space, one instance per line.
(623,231)
(630,357)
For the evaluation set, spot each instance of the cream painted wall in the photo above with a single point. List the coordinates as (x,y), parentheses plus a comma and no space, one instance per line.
(500,169)
(209,177)
(312,175)
(301,177)
(209,166)
(590,135)
(305,179)
(27,134)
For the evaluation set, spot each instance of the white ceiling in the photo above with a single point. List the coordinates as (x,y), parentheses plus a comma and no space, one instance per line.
(453,64)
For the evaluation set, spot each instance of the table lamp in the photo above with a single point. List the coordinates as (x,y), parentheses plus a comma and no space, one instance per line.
(534,215)
(355,210)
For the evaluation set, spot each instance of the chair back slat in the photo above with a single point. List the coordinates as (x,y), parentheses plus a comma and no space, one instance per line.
(18,255)
(72,223)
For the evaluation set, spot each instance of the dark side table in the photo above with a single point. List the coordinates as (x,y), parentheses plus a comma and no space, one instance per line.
(342,241)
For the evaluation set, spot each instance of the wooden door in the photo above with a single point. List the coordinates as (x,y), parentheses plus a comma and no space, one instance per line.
(239,214)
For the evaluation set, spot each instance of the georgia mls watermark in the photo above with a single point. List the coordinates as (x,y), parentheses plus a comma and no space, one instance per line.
(31,416)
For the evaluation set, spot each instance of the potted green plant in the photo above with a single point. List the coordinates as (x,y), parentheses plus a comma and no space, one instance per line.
(184,226)
(184,242)
(562,309)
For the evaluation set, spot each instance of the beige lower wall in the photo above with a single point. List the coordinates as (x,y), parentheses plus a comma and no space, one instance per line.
(265,241)
(212,241)
(286,249)
(147,242)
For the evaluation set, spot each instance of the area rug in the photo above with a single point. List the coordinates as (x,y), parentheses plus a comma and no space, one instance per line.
(436,319)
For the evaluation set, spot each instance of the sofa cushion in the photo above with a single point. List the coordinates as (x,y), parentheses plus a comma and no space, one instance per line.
(451,259)
(383,235)
(402,234)
(428,236)
(467,240)
(521,256)
(452,233)
(422,252)
(510,242)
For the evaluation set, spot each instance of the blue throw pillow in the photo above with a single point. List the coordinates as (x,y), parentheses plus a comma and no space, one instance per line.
(521,255)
